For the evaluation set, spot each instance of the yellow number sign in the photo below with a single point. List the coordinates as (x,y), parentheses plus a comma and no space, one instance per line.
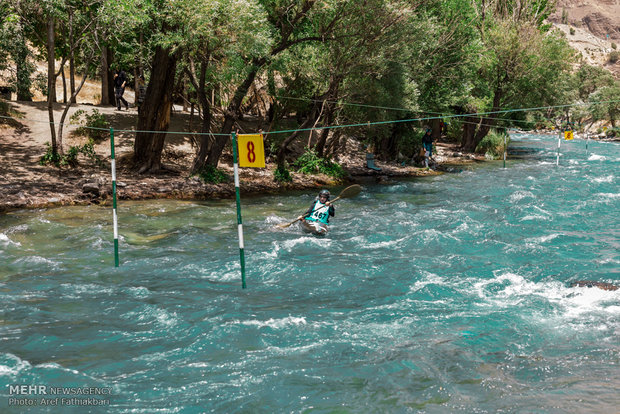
(251,151)
(568,135)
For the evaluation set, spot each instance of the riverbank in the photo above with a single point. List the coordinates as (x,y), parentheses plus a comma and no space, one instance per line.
(24,183)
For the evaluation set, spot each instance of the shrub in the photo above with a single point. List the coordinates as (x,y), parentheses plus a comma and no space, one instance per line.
(70,158)
(454,131)
(572,30)
(493,144)
(409,144)
(614,46)
(94,125)
(282,175)
(614,56)
(210,174)
(311,163)
(612,132)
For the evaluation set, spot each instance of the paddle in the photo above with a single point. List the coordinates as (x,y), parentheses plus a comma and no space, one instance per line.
(350,191)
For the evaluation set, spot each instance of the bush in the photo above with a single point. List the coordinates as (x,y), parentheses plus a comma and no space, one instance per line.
(282,175)
(612,132)
(70,158)
(311,163)
(493,144)
(614,56)
(572,31)
(409,144)
(94,125)
(454,132)
(614,46)
(210,174)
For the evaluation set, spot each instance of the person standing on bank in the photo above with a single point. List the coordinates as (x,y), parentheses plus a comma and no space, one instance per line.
(427,143)
(120,80)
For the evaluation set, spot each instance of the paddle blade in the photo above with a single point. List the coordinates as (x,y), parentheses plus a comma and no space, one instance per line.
(350,191)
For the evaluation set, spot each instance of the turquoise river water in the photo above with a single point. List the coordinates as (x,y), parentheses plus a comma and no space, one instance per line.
(439,295)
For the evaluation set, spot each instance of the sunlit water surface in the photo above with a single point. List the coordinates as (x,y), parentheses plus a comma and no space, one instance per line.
(443,294)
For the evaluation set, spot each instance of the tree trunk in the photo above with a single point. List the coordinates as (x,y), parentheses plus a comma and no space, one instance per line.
(71,60)
(205,140)
(64,83)
(51,83)
(312,118)
(488,122)
(67,106)
(105,94)
(155,113)
(21,68)
(232,114)
(469,130)
(320,144)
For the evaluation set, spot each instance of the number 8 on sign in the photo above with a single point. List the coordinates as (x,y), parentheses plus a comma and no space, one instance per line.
(251,151)
(251,155)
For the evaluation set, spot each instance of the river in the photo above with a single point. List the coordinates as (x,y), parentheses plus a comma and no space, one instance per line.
(440,294)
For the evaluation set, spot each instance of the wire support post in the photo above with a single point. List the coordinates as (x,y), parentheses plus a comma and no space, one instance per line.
(239,220)
(114,214)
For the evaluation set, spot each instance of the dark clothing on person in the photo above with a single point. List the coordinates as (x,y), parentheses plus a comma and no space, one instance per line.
(120,80)
(427,142)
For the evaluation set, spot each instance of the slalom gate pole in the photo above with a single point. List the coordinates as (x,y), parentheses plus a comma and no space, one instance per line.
(504,151)
(114,215)
(557,160)
(239,221)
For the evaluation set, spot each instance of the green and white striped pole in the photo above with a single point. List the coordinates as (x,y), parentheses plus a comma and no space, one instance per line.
(557,160)
(504,150)
(114,215)
(239,221)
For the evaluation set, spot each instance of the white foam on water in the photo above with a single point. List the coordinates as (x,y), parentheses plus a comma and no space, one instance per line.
(5,241)
(379,245)
(149,313)
(14,366)
(608,195)
(596,157)
(570,304)
(542,239)
(605,179)
(76,291)
(274,323)
(139,292)
(288,245)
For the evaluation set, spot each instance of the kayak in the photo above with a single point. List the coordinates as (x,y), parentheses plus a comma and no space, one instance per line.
(314,227)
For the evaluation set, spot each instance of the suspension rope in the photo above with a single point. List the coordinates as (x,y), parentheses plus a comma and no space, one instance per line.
(366,124)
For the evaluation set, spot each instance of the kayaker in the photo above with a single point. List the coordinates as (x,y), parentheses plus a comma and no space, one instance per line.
(321,210)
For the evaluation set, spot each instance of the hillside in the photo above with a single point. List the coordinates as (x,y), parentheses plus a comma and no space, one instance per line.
(596,27)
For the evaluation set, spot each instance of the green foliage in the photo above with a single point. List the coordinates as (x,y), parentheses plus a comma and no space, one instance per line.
(310,163)
(565,16)
(572,31)
(492,146)
(614,56)
(612,132)
(614,46)
(282,175)
(70,158)
(94,125)
(454,130)
(210,174)
(409,144)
